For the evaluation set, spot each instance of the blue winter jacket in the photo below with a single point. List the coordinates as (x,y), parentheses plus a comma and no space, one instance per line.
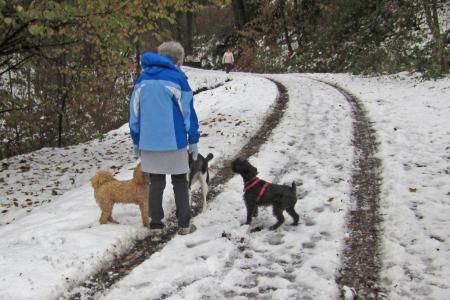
(162,115)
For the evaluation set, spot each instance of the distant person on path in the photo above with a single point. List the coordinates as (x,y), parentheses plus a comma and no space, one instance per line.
(228,60)
(163,124)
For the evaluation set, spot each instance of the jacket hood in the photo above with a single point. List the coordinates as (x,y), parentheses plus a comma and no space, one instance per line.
(152,62)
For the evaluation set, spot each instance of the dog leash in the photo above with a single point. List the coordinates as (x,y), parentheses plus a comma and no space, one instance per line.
(252,183)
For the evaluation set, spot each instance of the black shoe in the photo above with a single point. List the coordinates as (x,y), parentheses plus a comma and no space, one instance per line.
(187,230)
(157,228)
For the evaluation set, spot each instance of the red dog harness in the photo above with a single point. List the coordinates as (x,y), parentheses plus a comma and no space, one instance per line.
(252,183)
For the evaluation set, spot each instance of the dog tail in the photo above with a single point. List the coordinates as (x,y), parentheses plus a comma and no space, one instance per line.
(140,177)
(101,178)
(294,189)
(209,156)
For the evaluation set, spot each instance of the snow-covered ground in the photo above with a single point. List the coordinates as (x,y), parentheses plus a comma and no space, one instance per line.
(222,259)
(412,120)
(37,178)
(59,243)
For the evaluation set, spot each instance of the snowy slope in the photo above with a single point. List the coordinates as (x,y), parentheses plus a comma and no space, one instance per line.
(59,243)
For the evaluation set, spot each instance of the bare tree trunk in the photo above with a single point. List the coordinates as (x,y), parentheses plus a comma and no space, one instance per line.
(138,61)
(17,136)
(29,84)
(184,29)
(240,14)
(189,32)
(440,38)
(297,19)
(61,96)
(305,16)
(10,84)
(179,26)
(62,108)
(439,49)
(285,27)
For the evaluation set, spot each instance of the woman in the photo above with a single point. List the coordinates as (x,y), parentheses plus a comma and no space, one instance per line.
(163,123)
(228,60)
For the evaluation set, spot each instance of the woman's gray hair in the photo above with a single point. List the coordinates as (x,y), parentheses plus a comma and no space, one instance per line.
(173,50)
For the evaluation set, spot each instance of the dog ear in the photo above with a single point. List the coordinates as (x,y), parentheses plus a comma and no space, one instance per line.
(251,170)
(95,181)
(233,165)
(100,178)
(255,170)
(236,165)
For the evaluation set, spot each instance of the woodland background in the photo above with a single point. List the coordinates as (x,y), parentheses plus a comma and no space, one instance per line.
(67,67)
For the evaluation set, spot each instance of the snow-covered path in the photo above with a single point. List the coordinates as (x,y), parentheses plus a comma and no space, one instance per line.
(57,245)
(222,259)
(61,243)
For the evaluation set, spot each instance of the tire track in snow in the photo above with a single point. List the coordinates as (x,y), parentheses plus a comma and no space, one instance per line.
(145,248)
(359,275)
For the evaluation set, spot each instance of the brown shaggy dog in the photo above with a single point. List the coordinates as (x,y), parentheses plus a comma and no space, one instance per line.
(108,191)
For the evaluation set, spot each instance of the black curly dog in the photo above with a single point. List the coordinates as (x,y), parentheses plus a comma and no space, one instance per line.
(258,192)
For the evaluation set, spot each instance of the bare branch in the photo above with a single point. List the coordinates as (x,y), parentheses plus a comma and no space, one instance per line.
(14,66)
(15,109)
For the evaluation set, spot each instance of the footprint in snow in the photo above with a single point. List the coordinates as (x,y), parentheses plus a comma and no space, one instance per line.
(308,245)
(319,209)
(192,244)
(309,222)
(275,239)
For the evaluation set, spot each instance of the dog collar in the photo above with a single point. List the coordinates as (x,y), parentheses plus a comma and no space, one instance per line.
(252,183)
